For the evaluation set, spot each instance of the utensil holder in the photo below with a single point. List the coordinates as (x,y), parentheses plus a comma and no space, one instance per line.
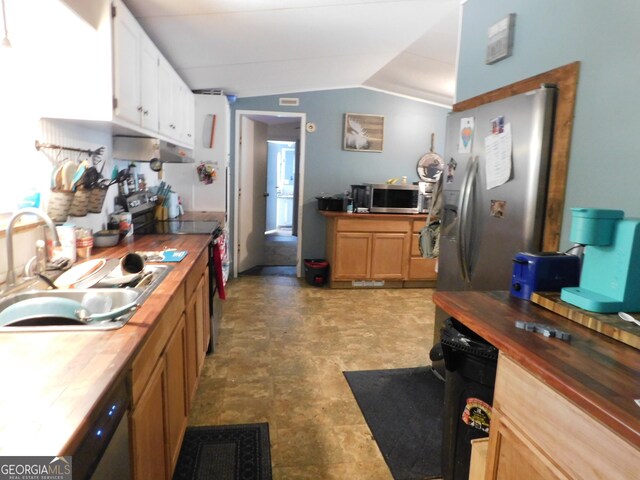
(96,199)
(161,213)
(59,205)
(80,203)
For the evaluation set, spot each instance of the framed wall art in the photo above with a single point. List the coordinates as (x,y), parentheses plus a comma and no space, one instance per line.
(363,133)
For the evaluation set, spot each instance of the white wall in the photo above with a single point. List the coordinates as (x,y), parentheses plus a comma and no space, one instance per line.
(58,66)
(37,168)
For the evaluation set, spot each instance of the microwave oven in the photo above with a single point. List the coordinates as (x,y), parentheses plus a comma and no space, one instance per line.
(391,198)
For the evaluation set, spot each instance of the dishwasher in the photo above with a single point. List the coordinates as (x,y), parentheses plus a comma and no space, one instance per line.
(104,452)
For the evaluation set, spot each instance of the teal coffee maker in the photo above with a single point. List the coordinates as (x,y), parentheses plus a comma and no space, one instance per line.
(610,277)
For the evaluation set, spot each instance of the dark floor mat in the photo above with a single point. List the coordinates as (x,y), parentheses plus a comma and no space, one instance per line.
(231,452)
(403,409)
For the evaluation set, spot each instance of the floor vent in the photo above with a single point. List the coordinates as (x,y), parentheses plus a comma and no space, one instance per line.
(289,102)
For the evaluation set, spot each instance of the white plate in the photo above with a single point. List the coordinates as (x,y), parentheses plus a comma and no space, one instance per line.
(116,277)
(79,272)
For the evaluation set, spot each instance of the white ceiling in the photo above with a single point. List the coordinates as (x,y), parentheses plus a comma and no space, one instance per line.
(265,47)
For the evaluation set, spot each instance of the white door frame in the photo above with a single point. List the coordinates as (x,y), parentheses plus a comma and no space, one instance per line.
(300,178)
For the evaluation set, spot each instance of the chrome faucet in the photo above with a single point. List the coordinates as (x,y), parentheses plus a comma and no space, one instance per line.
(11,276)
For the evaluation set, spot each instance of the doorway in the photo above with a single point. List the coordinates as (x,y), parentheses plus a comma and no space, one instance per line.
(281,241)
(269,159)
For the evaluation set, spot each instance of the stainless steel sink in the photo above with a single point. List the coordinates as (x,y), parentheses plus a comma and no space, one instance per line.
(119,295)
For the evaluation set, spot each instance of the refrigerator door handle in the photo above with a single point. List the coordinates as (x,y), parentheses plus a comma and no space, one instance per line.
(465,199)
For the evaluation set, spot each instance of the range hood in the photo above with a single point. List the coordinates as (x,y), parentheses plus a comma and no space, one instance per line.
(145,149)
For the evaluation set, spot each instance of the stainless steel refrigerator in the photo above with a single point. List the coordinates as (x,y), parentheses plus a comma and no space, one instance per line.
(505,145)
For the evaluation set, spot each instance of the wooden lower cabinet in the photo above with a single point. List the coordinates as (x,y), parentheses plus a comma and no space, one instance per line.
(352,258)
(420,268)
(149,429)
(175,357)
(515,456)
(191,369)
(164,377)
(377,248)
(159,418)
(202,318)
(376,256)
(388,256)
(206,315)
(536,433)
(198,331)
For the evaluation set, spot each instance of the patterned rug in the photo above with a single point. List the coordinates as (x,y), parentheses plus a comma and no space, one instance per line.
(230,452)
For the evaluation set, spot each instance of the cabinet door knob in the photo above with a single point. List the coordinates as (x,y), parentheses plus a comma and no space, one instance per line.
(140,108)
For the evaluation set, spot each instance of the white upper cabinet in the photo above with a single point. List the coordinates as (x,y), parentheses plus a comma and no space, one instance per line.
(127,63)
(148,93)
(187,114)
(149,57)
(177,107)
(166,82)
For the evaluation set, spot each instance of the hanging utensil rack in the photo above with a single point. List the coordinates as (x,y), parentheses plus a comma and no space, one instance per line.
(94,154)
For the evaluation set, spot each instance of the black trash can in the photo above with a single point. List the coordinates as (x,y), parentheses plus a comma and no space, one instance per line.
(316,271)
(470,374)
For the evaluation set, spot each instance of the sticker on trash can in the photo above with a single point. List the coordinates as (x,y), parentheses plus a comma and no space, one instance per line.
(477,414)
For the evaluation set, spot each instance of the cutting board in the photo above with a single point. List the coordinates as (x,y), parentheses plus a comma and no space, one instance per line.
(608,324)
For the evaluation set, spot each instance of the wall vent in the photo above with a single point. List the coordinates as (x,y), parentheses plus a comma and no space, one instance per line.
(289,102)
(209,91)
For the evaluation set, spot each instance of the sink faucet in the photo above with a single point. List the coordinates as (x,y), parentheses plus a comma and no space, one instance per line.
(11,276)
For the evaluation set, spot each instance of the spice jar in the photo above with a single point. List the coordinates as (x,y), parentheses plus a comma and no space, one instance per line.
(84,242)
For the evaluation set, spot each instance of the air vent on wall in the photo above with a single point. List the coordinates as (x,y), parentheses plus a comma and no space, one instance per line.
(209,91)
(289,102)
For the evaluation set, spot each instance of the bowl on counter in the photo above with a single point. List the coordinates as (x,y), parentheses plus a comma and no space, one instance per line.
(106,238)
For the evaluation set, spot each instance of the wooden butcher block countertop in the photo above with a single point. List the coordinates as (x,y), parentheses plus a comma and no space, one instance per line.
(598,374)
(52,381)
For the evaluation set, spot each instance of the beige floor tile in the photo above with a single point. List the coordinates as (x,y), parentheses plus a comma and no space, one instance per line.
(282,350)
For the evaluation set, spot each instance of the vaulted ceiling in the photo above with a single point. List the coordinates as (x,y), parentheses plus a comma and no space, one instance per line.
(264,47)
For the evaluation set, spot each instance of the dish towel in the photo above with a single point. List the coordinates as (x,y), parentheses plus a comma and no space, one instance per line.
(217,261)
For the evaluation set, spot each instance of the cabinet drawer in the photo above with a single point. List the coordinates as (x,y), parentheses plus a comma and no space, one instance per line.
(196,274)
(422,268)
(420,224)
(372,225)
(415,245)
(578,444)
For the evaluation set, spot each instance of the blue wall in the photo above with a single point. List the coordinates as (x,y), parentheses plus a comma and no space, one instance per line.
(604,168)
(408,126)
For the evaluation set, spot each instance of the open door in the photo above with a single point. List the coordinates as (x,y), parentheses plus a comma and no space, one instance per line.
(253,131)
(296,192)
(251,193)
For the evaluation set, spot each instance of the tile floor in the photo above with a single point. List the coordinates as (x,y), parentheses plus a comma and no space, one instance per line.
(280,248)
(282,348)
